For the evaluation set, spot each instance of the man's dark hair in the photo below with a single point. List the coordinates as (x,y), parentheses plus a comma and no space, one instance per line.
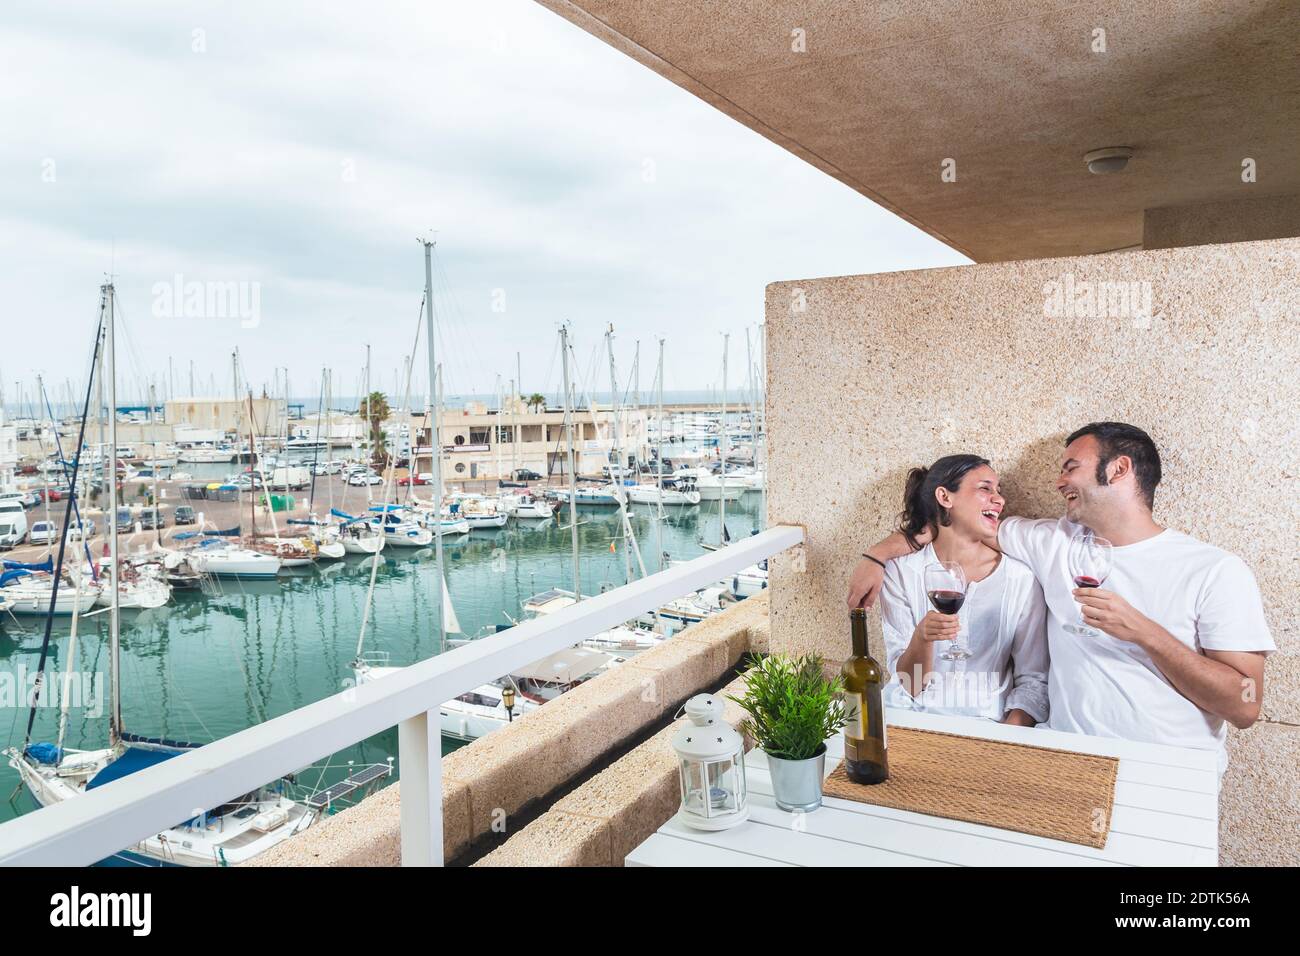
(1115,439)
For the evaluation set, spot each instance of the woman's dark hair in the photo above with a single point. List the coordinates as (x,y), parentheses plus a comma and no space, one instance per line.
(921,510)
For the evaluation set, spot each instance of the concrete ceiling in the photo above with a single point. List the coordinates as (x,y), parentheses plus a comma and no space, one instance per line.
(1010,89)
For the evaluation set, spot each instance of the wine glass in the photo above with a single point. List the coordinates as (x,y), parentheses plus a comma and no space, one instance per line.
(945,586)
(1089,561)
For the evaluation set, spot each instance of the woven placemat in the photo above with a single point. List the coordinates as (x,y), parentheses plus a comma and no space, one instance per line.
(1050,793)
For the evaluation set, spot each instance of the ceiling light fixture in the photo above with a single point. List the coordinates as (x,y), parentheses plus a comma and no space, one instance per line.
(1111,159)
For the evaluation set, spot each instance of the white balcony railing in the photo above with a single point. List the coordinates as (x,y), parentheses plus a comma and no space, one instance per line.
(104,821)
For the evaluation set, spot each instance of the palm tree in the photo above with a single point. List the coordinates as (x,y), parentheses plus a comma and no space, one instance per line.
(536,400)
(375,409)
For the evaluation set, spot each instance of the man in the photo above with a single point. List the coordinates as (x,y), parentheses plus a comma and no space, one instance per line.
(1185,635)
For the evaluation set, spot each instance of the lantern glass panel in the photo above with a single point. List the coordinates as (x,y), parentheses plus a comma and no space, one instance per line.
(723,786)
(692,780)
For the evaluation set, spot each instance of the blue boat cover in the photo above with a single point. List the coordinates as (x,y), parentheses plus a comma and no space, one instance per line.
(343,514)
(46,565)
(44,753)
(132,759)
(12,576)
(385,507)
(228,533)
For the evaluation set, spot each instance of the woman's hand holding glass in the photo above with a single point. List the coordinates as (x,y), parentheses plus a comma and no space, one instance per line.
(937,627)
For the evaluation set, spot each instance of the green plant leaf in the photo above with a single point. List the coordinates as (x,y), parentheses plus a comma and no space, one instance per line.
(791,707)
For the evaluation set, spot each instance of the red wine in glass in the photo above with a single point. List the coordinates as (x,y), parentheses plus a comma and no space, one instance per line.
(945,586)
(947,602)
(1089,560)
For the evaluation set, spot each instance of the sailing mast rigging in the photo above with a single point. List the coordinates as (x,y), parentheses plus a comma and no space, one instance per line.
(573,471)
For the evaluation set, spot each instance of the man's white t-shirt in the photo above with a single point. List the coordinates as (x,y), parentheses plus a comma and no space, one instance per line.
(1202,595)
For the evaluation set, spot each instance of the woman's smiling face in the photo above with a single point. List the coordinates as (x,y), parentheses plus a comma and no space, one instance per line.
(975,508)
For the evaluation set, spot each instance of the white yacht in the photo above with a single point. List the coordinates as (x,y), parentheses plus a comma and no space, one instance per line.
(651,494)
(233,562)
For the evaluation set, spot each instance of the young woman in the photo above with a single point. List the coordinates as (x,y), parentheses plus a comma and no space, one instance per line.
(949,510)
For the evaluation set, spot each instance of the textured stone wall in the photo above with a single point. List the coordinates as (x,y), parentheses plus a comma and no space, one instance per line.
(869,375)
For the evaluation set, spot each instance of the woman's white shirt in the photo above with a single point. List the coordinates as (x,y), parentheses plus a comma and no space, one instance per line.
(1004,626)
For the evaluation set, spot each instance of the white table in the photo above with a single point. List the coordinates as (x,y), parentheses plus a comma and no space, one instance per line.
(1166,814)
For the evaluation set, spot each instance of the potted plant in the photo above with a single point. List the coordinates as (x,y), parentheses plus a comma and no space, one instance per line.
(792,708)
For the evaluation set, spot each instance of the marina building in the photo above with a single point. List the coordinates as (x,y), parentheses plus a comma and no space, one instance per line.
(228,415)
(481,443)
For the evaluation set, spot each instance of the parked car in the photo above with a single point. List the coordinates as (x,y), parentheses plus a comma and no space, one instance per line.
(153,518)
(185,514)
(247,481)
(53,494)
(327,468)
(362,478)
(523,474)
(84,528)
(43,532)
(417,479)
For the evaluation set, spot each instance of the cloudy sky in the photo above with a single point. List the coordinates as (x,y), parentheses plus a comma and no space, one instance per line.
(300,149)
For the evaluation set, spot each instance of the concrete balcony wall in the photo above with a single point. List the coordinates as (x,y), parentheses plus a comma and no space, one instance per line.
(487,783)
(870,375)
(614,812)
(1237,220)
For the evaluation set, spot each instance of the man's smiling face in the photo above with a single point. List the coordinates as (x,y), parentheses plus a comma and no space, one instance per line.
(1077,483)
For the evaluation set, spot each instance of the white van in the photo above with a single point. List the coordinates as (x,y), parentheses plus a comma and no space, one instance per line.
(13,524)
(290,477)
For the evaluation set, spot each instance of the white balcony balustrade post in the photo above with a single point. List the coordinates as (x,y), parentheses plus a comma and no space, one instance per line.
(419,755)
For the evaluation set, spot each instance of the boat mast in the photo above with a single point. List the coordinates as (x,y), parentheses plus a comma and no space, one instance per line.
(434,410)
(157,508)
(722,448)
(329,431)
(99,407)
(518,389)
(573,473)
(370,452)
(65,699)
(45,472)
(514,431)
(629,538)
(114,615)
(497,440)
(261,471)
(659,461)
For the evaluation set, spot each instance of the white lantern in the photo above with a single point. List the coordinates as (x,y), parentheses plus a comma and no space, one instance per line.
(711,767)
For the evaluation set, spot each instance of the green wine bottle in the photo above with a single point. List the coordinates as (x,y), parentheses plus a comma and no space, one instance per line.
(866,758)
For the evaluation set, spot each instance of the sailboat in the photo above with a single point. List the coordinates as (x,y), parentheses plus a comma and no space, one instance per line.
(399,530)
(28,588)
(231,833)
(325,536)
(482,709)
(141,587)
(291,552)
